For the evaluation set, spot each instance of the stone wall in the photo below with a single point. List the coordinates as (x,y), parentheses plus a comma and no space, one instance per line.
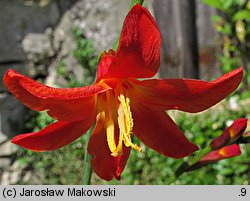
(18,20)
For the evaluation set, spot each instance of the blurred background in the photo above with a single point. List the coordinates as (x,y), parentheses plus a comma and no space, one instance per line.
(57,41)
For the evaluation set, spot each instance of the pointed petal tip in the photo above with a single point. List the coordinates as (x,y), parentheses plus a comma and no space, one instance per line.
(20,141)
(194,148)
(54,136)
(10,72)
(240,69)
(240,124)
(138,53)
(118,177)
(14,140)
(241,121)
(189,150)
(238,72)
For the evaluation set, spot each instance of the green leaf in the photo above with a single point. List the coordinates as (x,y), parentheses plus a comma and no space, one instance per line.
(227,29)
(214,3)
(217,18)
(228,4)
(246,94)
(241,168)
(241,2)
(226,171)
(242,15)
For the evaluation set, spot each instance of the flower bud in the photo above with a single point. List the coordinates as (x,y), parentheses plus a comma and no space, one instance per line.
(223,153)
(230,135)
(214,156)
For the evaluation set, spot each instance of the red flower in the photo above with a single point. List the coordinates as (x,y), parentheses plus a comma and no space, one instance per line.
(121,104)
(230,135)
(214,156)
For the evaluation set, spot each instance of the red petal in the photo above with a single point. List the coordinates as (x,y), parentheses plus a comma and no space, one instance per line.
(138,54)
(62,104)
(158,131)
(104,64)
(54,136)
(186,94)
(105,166)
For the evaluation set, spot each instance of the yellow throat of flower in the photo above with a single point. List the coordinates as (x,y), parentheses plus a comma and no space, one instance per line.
(125,123)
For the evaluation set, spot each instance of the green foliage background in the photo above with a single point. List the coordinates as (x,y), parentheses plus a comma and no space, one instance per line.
(233,26)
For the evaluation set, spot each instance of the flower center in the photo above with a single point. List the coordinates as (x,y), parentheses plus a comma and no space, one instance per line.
(125,124)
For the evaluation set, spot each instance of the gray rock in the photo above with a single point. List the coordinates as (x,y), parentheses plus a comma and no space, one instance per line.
(15,177)
(64,45)
(5,178)
(101,21)
(37,47)
(15,166)
(27,177)
(18,18)
(3,137)
(7,149)
(12,113)
(4,163)
(32,178)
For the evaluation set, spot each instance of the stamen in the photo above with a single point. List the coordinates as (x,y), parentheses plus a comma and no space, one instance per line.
(110,130)
(125,122)
(110,125)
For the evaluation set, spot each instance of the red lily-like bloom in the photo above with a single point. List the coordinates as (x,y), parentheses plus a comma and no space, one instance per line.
(119,103)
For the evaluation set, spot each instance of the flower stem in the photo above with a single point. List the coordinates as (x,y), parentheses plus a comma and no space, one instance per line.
(190,162)
(87,171)
(245,138)
(199,156)
(135,2)
(131,6)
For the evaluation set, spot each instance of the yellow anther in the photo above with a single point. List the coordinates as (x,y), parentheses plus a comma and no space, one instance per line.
(110,130)
(125,123)
(134,146)
(110,125)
